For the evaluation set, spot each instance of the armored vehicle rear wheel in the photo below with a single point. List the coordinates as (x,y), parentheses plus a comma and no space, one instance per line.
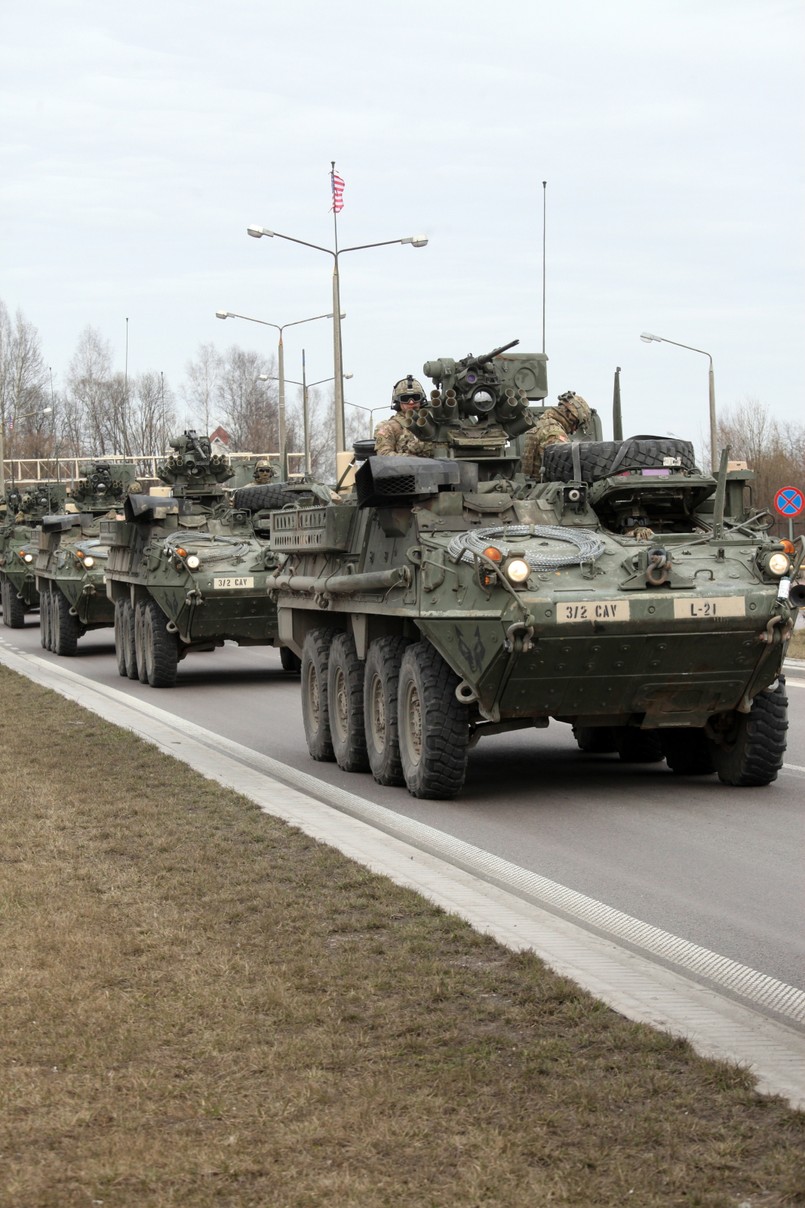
(65,625)
(44,617)
(345,703)
(638,746)
(433,726)
(380,692)
(260,496)
(290,662)
(687,751)
(160,648)
(315,712)
(139,642)
(13,607)
(120,644)
(754,743)
(597,740)
(129,645)
(600,458)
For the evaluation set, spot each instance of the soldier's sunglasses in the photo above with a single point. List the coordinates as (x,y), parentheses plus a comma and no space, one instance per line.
(410,398)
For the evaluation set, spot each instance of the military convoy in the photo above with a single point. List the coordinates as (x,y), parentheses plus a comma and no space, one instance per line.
(18,547)
(627,594)
(188,567)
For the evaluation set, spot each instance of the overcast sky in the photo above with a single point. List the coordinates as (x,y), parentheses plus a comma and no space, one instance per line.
(140,141)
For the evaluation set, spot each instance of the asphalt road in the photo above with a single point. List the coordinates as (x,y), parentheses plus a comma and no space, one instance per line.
(717,866)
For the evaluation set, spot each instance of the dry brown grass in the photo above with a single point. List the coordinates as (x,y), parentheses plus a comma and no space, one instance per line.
(796,647)
(202,1006)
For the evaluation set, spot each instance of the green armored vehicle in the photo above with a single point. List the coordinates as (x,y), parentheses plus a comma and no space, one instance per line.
(71,558)
(18,547)
(187,569)
(625,593)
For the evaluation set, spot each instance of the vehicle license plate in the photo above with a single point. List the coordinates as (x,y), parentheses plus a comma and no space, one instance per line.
(221,584)
(714,606)
(592,610)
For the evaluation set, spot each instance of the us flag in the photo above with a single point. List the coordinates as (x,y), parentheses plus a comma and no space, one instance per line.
(338,193)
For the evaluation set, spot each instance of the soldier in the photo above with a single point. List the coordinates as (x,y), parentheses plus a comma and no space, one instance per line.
(392,436)
(263,471)
(554,426)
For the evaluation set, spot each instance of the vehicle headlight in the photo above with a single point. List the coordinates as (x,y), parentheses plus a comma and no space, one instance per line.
(192,561)
(89,560)
(27,557)
(517,570)
(779,564)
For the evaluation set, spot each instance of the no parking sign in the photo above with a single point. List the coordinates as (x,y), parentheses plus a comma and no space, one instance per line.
(789,502)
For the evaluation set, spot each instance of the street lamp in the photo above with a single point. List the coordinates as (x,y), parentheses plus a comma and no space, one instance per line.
(267,377)
(648,338)
(14,419)
(370,411)
(280,327)
(257,232)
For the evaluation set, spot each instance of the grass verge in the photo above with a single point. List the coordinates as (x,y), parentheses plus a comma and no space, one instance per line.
(202,1006)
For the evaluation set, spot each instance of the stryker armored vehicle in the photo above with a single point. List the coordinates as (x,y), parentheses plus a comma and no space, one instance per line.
(71,558)
(626,593)
(18,546)
(187,569)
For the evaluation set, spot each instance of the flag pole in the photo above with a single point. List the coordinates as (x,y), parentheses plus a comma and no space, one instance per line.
(338,360)
(544,216)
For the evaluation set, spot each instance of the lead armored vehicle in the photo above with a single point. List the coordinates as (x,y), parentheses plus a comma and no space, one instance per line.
(625,593)
(187,568)
(71,558)
(18,547)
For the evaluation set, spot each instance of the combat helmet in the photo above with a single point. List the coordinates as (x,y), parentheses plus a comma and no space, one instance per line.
(406,390)
(576,408)
(263,470)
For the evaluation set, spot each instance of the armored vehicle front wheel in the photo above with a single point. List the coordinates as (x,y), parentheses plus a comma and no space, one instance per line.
(45,639)
(380,692)
(433,726)
(751,748)
(128,637)
(315,711)
(290,662)
(345,702)
(687,751)
(120,645)
(160,648)
(139,642)
(13,607)
(65,625)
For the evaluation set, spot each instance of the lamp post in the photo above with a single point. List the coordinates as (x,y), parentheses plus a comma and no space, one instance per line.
(14,419)
(257,232)
(370,411)
(648,338)
(267,377)
(280,327)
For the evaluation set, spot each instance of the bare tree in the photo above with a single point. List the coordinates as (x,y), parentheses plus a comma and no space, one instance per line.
(775,454)
(24,388)
(200,388)
(247,405)
(151,414)
(89,384)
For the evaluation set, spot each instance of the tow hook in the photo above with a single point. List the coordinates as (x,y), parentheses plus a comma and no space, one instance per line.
(518,638)
(658,568)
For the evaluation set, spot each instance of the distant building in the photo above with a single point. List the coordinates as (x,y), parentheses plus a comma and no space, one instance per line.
(220,440)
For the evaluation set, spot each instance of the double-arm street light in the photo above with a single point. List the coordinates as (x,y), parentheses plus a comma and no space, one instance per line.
(257,232)
(648,338)
(280,327)
(306,386)
(25,415)
(370,411)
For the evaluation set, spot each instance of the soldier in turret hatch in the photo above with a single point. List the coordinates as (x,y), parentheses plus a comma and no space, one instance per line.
(263,471)
(555,426)
(393,436)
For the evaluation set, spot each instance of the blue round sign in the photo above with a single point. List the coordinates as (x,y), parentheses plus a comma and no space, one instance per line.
(789,501)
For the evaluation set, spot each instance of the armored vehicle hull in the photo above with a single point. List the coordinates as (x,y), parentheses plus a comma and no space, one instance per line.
(438,605)
(18,591)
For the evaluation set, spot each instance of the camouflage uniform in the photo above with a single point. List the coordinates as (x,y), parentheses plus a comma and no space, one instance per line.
(394,438)
(554,426)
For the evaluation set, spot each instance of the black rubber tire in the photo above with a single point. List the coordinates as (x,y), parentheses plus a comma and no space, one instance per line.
(45,617)
(315,711)
(638,746)
(160,648)
(380,698)
(290,662)
(687,751)
(272,495)
(596,740)
(598,457)
(129,644)
(433,726)
(65,626)
(345,705)
(139,641)
(13,607)
(120,636)
(753,754)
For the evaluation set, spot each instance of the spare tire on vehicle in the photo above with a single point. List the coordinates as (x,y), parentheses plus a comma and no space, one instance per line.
(263,495)
(598,459)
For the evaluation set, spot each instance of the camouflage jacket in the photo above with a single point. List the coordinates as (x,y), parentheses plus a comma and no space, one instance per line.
(393,438)
(548,430)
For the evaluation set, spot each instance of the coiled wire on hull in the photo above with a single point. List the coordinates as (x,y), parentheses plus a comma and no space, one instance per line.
(587,545)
